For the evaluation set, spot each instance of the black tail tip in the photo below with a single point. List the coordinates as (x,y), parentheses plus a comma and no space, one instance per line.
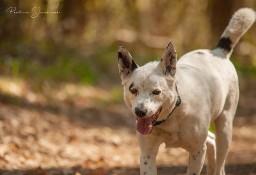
(224,43)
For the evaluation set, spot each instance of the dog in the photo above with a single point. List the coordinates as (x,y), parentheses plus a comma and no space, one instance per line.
(174,102)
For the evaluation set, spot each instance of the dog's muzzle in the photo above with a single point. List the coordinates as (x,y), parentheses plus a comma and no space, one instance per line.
(144,125)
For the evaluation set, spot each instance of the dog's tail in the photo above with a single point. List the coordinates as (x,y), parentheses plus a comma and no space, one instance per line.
(241,21)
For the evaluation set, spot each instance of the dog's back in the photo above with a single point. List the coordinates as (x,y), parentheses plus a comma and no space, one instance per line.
(213,69)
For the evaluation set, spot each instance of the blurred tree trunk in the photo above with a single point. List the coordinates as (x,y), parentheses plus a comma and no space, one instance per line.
(10,32)
(73,15)
(9,21)
(52,6)
(144,9)
(219,15)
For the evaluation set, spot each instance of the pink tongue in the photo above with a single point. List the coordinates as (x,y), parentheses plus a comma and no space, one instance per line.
(144,126)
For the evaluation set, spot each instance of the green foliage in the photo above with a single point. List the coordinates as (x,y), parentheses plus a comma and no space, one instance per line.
(62,68)
(117,95)
(211,128)
(65,68)
(248,71)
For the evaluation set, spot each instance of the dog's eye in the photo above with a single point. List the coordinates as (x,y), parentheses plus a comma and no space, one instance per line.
(156,92)
(134,91)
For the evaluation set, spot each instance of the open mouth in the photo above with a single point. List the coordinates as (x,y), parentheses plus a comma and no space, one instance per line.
(145,125)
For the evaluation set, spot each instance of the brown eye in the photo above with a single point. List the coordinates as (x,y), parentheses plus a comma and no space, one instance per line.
(156,92)
(134,91)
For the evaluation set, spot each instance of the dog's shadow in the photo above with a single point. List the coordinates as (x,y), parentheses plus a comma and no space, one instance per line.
(230,169)
(241,169)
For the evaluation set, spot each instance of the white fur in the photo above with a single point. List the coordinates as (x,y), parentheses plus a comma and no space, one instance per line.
(208,86)
(241,21)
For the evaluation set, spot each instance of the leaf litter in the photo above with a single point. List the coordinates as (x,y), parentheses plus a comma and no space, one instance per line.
(66,131)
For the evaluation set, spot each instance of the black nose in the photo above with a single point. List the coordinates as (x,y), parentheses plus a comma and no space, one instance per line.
(140,112)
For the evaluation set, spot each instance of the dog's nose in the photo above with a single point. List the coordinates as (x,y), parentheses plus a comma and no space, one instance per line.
(140,112)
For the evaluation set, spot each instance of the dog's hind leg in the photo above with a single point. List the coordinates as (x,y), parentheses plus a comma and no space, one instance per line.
(211,153)
(223,130)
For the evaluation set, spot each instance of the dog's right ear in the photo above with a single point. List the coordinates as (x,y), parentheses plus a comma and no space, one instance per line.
(126,64)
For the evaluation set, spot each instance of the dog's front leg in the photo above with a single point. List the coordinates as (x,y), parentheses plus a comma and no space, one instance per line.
(149,145)
(196,161)
(148,164)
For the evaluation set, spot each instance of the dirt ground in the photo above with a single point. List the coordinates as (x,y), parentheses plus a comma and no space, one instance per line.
(74,131)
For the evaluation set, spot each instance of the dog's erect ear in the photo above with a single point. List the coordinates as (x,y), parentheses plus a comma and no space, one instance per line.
(169,60)
(126,64)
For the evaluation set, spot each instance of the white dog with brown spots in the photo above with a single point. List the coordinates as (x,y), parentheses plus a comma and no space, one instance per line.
(175,102)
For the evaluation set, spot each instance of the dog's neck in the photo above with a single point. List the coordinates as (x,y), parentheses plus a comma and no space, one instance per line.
(178,102)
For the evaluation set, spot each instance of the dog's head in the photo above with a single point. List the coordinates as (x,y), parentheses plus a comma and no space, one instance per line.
(149,90)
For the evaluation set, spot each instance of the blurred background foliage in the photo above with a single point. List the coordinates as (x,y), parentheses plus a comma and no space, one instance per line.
(60,89)
(77,40)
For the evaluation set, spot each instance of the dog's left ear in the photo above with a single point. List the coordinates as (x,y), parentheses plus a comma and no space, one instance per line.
(126,64)
(169,60)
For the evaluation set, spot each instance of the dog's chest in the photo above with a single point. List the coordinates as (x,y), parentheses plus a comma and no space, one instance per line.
(171,136)
(172,139)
